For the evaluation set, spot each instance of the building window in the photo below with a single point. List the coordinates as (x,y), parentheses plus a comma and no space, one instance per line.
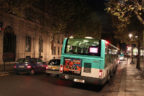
(58,51)
(54,51)
(40,45)
(28,44)
(58,40)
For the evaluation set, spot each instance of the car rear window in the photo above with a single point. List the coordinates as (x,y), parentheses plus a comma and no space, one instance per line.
(39,60)
(26,60)
(54,62)
(20,60)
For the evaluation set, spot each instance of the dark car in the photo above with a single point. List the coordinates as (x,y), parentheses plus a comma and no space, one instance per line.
(53,67)
(29,65)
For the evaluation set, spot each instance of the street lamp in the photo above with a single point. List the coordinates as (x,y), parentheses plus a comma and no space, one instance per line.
(130,36)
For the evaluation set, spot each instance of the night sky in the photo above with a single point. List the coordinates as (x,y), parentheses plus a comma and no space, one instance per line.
(97,5)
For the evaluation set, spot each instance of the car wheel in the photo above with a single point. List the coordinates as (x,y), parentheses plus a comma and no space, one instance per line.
(108,77)
(53,75)
(17,73)
(32,72)
(48,74)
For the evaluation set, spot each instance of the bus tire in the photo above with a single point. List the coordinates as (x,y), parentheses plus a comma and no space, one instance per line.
(99,87)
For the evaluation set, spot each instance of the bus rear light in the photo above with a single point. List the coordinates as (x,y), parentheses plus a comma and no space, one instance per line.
(100,73)
(61,68)
(107,42)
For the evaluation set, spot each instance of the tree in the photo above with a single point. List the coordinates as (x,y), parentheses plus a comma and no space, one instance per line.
(86,24)
(124,11)
(73,17)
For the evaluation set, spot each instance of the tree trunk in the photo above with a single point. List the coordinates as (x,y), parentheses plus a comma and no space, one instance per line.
(138,56)
(140,34)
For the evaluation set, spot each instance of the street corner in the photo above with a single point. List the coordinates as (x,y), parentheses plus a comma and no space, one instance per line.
(4,74)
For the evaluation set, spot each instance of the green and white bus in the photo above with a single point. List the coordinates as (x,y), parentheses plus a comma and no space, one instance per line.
(87,60)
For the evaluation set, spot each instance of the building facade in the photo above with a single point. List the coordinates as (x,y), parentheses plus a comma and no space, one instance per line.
(20,38)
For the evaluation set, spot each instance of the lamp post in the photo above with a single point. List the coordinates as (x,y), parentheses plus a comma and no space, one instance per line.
(131,37)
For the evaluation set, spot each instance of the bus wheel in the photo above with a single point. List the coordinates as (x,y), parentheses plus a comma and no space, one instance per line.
(99,87)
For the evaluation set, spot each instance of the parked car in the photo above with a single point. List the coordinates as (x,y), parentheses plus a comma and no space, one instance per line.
(29,65)
(121,57)
(53,67)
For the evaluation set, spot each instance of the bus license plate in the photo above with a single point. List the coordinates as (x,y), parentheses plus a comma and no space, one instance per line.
(79,80)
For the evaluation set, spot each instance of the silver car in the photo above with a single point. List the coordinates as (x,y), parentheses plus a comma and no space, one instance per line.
(52,67)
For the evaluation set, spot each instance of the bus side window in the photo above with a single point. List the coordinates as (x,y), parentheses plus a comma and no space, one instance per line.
(110,55)
(107,58)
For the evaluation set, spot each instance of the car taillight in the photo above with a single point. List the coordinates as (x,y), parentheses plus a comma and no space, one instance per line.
(118,61)
(14,66)
(100,73)
(47,67)
(43,65)
(61,68)
(28,67)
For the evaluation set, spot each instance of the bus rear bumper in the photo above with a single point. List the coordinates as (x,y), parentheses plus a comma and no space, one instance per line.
(83,79)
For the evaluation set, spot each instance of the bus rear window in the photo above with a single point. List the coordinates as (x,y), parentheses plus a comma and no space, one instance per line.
(83,46)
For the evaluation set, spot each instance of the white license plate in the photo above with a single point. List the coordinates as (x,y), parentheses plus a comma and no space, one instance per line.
(21,66)
(79,80)
(54,67)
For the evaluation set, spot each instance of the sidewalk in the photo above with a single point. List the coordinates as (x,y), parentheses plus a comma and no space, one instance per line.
(6,68)
(131,83)
(4,73)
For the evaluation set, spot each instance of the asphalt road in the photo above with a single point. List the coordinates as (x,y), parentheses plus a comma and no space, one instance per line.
(43,85)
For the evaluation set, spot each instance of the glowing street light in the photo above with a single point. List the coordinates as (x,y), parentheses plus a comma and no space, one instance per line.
(136,37)
(130,35)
